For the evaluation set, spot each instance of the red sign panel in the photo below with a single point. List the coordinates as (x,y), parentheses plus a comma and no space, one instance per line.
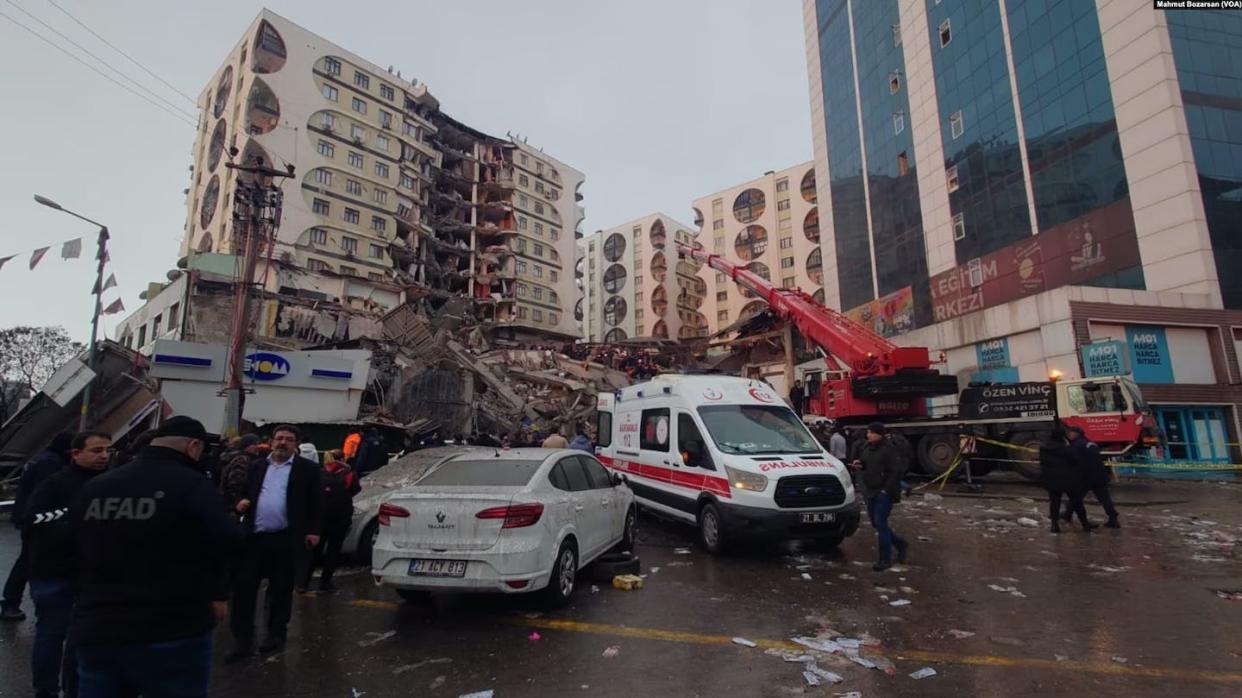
(1100,242)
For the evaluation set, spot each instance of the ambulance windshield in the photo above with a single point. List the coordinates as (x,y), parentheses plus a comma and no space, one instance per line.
(757,429)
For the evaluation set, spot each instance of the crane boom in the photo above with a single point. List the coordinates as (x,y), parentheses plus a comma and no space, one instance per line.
(865,352)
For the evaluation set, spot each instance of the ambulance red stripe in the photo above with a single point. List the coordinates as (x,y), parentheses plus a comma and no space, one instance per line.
(690,480)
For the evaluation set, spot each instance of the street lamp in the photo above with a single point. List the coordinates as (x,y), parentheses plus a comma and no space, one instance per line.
(101,257)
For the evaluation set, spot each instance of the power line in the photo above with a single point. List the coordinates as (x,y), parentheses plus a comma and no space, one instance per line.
(111,67)
(179,116)
(118,50)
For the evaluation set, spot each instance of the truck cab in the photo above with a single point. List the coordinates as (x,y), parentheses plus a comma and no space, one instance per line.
(1109,409)
(728,455)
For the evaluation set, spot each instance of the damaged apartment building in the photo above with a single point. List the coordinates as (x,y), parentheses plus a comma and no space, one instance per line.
(399,219)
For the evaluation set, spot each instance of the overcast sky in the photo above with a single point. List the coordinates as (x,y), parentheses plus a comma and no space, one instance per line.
(656,101)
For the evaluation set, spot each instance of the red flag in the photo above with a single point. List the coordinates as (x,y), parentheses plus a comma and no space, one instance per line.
(114,308)
(38,256)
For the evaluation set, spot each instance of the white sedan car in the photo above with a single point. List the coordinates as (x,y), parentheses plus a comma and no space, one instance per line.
(514,522)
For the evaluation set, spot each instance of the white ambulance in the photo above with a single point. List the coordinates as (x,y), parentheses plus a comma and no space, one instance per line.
(728,455)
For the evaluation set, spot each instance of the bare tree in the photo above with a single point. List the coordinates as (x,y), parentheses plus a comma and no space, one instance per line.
(28,357)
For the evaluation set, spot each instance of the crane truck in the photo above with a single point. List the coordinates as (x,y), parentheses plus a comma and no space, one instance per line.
(869,378)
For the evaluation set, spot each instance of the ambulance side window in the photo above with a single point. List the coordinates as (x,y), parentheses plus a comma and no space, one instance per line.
(603,429)
(690,441)
(655,430)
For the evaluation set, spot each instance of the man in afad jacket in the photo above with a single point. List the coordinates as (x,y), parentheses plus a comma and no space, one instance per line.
(44,465)
(882,467)
(283,517)
(154,539)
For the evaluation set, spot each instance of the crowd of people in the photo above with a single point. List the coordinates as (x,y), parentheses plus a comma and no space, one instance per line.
(132,558)
(634,363)
(1071,466)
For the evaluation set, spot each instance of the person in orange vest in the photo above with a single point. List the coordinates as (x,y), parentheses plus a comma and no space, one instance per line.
(350,449)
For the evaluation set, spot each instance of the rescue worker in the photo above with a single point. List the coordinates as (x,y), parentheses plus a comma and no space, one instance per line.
(882,468)
(350,447)
(153,539)
(53,569)
(555,440)
(340,485)
(1096,473)
(282,516)
(581,441)
(837,443)
(1061,474)
(796,397)
(44,465)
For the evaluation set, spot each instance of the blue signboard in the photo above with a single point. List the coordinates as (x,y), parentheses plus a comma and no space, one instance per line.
(265,366)
(993,353)
(1149,354)
(1104,359)
(1004,374)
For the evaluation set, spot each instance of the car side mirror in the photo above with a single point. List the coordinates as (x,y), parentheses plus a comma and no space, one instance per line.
(618,479)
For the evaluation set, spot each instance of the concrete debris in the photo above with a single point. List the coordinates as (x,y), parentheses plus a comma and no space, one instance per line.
(925,672)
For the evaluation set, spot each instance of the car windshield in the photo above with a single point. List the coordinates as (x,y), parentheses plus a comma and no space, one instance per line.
(756,429)
(496,472)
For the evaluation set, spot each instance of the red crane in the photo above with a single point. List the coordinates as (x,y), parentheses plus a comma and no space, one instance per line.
(884,379)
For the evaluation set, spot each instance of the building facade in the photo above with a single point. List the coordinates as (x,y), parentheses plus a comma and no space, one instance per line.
(770,225)
(392,198)
(1027,185)
(633,284)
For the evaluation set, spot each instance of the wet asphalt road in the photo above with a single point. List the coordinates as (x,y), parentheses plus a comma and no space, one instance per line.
(1113,613)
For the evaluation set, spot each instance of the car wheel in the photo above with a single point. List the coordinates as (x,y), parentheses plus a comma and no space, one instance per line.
(414,595)
(711,532)
(366,542)
(610,565)
(1029,465)
(629,536)
(561,586)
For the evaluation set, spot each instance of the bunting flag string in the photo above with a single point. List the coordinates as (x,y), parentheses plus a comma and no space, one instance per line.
(69,249)
(37,257)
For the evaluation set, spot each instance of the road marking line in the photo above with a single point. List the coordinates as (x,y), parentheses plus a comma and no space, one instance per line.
(910,655)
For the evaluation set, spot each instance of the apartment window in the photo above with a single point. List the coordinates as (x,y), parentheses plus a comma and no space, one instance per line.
(638,315)
(407,181)
(348,244)
(525,160)
(172,315)
(379,224)
(330,93)
(318,236)
(358,105)
(903,164)
(896,35)
(351,215)
(385,119)
(787,262)
(946,32)
(382,143)
(539,187)
(321,207)
(894,82)
(789,282)
(356,132)
(323,177)
(522,223)
(950,176)
(718,224)
(522,200)
(552,296)
(327,121)
(348,271)
(353,186)
(387,92)
(326,149)
(380,196)
(537,315)
(410,130)
(786,243)
(355,159)
(782,185)
(959,227)
(975,268)
(539,168)
(381,169)
(521,290)
(717,208)
(521,267)
(538,250)
(362,80)
(719,244)
(316,265)
(782,205)
(374,276)
(555,275)
(377,252)
(539,208)
(722,296)
(956,127)
(522,313)
(404,211)
(331,65)
(899,122)
(538,292)
(552,318)
(722,316)
(538,228)
(538,272)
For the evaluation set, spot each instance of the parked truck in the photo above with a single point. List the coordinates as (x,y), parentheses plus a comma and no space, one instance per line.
(868,378)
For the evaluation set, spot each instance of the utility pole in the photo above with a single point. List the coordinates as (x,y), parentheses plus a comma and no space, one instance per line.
(101,257)
(256,218)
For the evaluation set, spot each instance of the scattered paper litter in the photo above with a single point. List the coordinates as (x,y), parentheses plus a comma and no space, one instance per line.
(849,643)
(1119,659)
(594,589)
(843,575)
(806,576)
(961,634)
(357,693)
(811,679)
(930,497)
(818,644)
(849,694)
(899,602)
(1028,522)
(612,651)
(681,551)
(1061,657)
(923,673)
(376,638)
(908,590)
(862,661)
(824,674)
(478,694)
(654,570)
(744,642)
(885,590)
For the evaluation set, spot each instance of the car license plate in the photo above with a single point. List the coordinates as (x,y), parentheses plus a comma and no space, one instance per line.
(818,517)
(438,568)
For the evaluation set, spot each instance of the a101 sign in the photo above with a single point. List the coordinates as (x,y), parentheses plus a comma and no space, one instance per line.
(1105,359)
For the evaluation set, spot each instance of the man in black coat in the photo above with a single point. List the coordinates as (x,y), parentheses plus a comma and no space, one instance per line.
(883,466)
(1062,475)
(153,538)
(53,562)
(1097,474)
(283,517)
(45,464)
